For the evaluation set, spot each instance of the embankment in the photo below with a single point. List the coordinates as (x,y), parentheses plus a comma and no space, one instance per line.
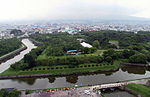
(12,54)
(56,75)
(133,64)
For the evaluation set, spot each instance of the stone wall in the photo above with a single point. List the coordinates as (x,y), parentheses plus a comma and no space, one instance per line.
(56,75)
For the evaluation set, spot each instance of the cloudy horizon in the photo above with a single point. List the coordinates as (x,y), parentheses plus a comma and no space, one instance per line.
(14,10)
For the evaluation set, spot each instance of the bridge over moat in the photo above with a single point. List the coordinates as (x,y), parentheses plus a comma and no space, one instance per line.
(111,86)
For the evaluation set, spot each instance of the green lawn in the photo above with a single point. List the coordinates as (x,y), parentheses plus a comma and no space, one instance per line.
(115,42)
(98,52)
(139,89)
(63,69)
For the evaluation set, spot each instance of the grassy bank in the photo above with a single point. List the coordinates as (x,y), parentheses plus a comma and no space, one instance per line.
(139,89)
(64,69)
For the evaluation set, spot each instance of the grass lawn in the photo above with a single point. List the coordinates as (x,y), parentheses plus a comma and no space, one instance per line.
(98,52)
(63,69)
(139,89)
(115,42)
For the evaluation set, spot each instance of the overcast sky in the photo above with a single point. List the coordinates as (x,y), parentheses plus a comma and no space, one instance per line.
(71,9)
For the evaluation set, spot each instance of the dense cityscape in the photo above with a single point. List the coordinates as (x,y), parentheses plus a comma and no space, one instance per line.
(71,28)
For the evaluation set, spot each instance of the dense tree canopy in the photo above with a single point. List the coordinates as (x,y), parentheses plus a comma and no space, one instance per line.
(9,45)
(110,53)
(125,38)
(54,51)
(138,58)
(63,40)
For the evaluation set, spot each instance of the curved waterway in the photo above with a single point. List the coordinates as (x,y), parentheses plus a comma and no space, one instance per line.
(124,73)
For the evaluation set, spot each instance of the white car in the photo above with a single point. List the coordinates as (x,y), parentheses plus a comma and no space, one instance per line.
(87,92)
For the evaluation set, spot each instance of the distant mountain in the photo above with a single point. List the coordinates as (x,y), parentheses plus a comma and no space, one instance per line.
(104,19)
(116,18)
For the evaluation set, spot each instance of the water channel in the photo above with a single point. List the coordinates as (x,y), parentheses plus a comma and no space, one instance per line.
(124,73)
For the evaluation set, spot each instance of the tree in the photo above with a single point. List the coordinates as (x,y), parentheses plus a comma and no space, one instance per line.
(108,59)
(112,46)
(138,58)
(110,53)
(96,44)
(54,51)
(87,50)
(136,47)
(127,53)
(104,41)
(148,57)
(73,60)
(20,66)
(30,59)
